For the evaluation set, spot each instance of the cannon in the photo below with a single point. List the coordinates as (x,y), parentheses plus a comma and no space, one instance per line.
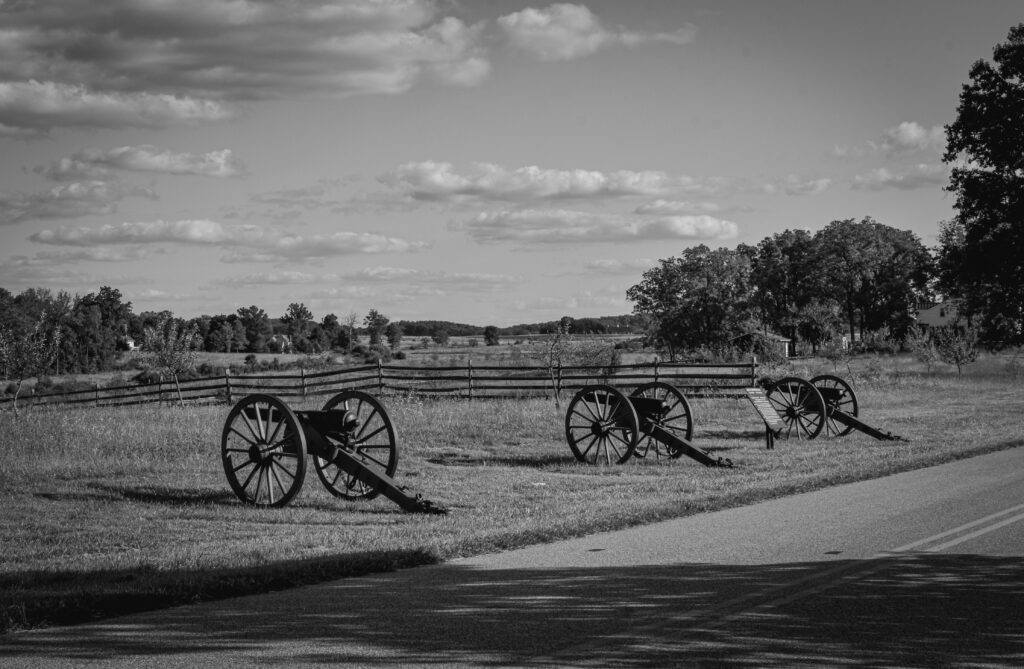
(797,407)
(604,425)
(841,409)
(352,442)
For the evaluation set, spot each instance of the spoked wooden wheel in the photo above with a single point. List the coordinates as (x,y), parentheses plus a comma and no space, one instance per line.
(800,406)
(371,437)
(677,418)
(263,450)
(838,396)
(601,426)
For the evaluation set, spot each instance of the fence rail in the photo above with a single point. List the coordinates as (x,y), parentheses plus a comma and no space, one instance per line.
(468,382)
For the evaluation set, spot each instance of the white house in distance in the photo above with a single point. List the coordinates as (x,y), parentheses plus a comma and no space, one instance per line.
(937,315)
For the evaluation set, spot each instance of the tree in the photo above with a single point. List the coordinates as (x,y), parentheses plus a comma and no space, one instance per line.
(257,328)
(171,348)
(701,298)
(440,337)
(375,323)
(785,281)
(297,319)
(875,273)
(491,336)
(956,345)
(982,255)
(393,332)
(97,321)
(350,326)
(25,355)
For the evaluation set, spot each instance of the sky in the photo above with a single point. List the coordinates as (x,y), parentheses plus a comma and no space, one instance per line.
(478,161)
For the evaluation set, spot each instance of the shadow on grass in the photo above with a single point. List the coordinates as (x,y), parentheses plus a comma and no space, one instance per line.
(532,461)
(910,610)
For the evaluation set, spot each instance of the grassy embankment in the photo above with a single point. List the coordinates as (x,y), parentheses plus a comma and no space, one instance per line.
(107,511)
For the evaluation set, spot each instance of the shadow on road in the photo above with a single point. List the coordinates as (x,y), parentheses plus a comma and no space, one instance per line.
(906,610)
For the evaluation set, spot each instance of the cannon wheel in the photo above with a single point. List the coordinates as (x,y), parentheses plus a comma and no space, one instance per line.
(263,450)
(800,406)
(838,395)
(374,440)
(677,419)
(601,425)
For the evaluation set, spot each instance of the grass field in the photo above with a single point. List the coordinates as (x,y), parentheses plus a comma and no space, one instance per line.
(108,511)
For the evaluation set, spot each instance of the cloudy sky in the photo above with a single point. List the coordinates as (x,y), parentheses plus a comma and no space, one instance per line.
(468,160)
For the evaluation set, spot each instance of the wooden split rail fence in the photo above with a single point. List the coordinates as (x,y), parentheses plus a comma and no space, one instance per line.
(468,382)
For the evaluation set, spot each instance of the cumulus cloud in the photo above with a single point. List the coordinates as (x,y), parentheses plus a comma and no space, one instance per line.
(70,200)
(619,266)
(159,63)
(566,31)
(906,138)
(97,163)
(918,176)
(794,184)
(383,275)
(438,181)
(244,242)
(559,226)
(184,232)
(912,136)
(37,106)
(672,207)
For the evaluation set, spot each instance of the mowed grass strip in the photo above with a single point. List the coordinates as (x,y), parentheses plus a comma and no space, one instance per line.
(108,511)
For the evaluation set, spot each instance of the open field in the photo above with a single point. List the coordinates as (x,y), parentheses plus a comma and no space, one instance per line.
(113,510)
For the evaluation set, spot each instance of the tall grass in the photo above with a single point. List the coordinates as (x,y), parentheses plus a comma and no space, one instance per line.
(116,509)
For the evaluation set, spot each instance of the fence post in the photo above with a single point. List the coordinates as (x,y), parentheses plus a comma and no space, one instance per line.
(656,371)
(558,376)
(469,364)
(380,377)
(96,393)
(302,381)
(160,390)
(227,383)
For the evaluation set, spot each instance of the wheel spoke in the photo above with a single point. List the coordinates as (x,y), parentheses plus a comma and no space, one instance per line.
(373,434)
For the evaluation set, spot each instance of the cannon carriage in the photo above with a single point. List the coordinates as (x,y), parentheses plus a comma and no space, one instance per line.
(351,441)
(795,407)
(602,424)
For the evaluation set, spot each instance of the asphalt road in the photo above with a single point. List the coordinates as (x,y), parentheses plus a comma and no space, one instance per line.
(921,569)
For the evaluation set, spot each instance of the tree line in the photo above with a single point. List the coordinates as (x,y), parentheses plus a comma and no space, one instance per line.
(850,277)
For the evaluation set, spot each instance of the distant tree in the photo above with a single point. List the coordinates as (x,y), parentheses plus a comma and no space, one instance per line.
(97,321)
(297,320)
(393,332)
(785,280)
(956,345)
(981,251)
(24,355)
(171,347)
(491,336)
(875,273)
(375,322)
(350,326)
(330,331)
(257,328)
(701,298)
(919,342)
(817,320)
(441,337)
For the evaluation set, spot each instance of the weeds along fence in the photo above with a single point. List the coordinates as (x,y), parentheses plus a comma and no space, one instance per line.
(467,382)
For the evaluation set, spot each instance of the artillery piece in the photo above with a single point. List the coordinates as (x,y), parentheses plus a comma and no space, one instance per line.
(604,425)
(351,440)
(805,409)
